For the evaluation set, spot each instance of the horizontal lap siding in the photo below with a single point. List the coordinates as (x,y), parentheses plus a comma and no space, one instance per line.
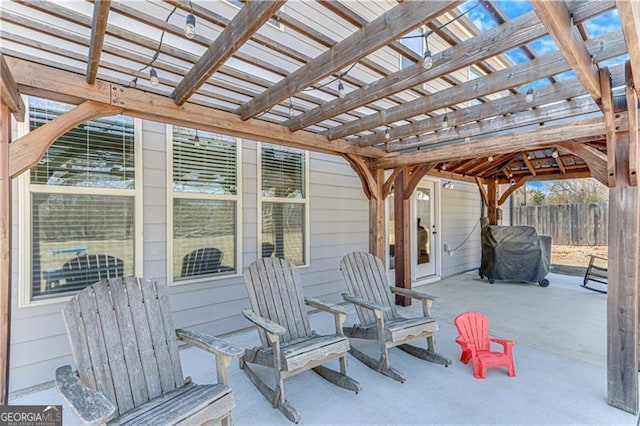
(460,210)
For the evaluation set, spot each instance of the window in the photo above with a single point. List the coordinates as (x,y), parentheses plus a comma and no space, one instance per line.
(204,195)
(283,203)
(81,204)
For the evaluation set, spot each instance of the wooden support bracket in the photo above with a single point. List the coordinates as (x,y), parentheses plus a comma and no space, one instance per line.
(483,190)
(596,160)
(414,177)
(367,178)
(27,151)
(519,182)
(9,91)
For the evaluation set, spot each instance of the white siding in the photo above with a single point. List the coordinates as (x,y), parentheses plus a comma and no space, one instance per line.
(460,211)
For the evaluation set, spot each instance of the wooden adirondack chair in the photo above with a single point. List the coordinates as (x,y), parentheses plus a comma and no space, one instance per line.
(289,346)
(475,341)
(366,280)
(124,346)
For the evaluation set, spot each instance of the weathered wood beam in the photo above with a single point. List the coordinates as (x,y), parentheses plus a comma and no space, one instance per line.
(596,160)
(377,218)
(609,120)
(634,124)
(563,109)
(5,250)
(506,105)
(535,139)
(622,297)
(415,177)
(387,27)
(560,164)
(367,178)
(607,46)
(485,45)
(492,201)
(629,11)
(9,92)
(388,184)
(495,166)
(519,182)
(521,30)
(28,150)
(483,190)
(402,235)
(527,162)
(246,22)
(556,17)
(98,28)
(57,84)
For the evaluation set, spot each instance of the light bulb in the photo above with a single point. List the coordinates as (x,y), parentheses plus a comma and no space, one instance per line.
(490,158)
(196,140)
(341,93)
(443,167)
(290,109)
(554,154)
(190,27)
(445,121)
(427,62)
(529,96)
(387,134)
(153,77)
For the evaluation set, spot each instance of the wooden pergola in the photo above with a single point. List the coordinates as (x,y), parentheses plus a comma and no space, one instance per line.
(242,75)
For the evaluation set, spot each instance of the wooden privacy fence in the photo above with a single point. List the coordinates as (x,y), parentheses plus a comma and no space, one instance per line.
(568,224)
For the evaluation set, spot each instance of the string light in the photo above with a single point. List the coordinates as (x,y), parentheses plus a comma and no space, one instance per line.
(190,27)
(341,93)
(555,154)
(490,158)
(196,139)
(153,77)
(387,134)
(529,96)
(290,108)
(445,120)
(427,62)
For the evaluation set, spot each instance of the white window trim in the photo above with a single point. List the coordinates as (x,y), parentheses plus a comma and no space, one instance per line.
(198,196)
(24,213)
(305,201)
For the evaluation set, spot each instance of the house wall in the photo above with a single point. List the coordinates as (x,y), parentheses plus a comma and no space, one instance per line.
(338,224)
(460,213)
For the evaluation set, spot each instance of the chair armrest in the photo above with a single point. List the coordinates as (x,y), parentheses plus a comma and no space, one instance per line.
(209,343)
(265,324)
(328,307)
(503,342)
(91,406)
(598,257)
(365,303)
(413,294)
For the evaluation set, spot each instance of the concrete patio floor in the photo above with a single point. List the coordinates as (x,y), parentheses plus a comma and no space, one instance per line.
(559,355)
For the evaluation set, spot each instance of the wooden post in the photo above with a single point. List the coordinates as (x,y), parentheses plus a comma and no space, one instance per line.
(5,251)
(377,216)
(492,201)
(622,298)
(402,228)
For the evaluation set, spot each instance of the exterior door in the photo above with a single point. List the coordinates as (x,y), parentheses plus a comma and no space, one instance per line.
(424,231)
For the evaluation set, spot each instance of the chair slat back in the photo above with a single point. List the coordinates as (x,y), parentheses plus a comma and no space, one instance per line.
(275,293)
(123,340)
(366,278)
(474,328)
(85,270)
(202,261)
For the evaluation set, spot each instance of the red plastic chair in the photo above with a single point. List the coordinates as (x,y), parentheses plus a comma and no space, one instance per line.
(475,341)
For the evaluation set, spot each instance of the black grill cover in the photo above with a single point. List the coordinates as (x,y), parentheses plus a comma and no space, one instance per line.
(514,253)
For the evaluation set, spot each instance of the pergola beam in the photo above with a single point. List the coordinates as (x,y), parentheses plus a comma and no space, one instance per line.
(5,250)
(607,109)
(556,17)
(241,28)
(27,151)
(629,12)
(401,19)
(516,75)
(98,29)
(632,110)
(9,92)
(527,162)
(531,140)
(57,84)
